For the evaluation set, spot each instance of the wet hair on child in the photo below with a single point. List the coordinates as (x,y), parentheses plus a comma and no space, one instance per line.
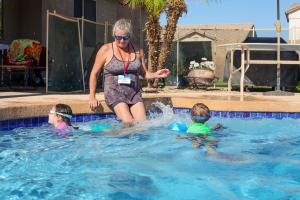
(200,113)
(66,111)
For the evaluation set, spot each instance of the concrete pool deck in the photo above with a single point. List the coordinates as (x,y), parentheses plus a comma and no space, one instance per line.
(15,105)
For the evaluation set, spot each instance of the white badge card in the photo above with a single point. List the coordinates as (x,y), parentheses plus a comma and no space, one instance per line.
(124,79)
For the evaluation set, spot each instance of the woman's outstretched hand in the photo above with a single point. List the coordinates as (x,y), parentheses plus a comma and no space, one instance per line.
(163,73)
(94,103)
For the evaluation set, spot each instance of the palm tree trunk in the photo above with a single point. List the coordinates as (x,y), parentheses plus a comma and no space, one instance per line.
(174,12)
(153,37)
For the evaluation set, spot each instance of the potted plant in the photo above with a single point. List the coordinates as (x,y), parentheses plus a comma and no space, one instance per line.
(201,73)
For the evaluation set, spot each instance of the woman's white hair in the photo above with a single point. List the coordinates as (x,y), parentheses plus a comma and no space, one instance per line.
(124,25)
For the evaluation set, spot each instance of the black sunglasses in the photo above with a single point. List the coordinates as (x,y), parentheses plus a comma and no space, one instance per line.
(121,37)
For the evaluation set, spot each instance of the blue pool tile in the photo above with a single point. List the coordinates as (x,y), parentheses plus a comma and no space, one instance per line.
(37,121)
(254,115)
(188,110)
(261,115)
(276,115)
(238,114)
(79,118)
(104,116)
(284,115)
(20,122)
(110,115)
(179,110)
(4,129)
(268,115)
(175,110)
(224,114)
(100,116)
(28,122)
(94,117)
(42,120)
(216,113)
(73,119)
(86,118)
(231,114)
(13,124)
(246,115)
(292,115)
(4,123)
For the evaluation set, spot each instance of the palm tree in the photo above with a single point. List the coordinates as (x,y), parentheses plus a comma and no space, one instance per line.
(174,11)
(154,9)
(159,50)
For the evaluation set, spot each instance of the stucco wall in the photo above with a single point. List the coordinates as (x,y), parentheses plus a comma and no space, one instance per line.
(106,10)
(11,16)
(294,27)
(111,11)
(63,7)
(30,19)
(217,37)
(225,37)
(27,19)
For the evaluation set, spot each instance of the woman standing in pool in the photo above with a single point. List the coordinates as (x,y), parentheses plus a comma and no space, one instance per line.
(122,63)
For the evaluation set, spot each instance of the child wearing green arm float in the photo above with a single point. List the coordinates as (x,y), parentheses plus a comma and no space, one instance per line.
(198,132)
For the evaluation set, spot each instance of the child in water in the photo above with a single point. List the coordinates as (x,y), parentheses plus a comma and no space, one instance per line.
(198,132)
(60,116)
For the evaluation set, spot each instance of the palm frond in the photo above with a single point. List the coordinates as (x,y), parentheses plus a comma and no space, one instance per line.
(134,3)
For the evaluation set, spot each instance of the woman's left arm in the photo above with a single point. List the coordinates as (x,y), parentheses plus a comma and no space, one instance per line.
(163,73)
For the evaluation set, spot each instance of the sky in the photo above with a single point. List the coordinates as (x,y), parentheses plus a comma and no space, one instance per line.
(261,13)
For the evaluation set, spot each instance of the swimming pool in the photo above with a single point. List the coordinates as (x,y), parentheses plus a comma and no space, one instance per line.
(258,158)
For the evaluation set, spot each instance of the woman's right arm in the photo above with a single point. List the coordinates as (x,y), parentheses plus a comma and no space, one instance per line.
(97,67)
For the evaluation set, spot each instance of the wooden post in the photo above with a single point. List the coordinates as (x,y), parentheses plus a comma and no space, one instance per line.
(242,74)
(177,60)
(47,50)
(230,72)
(278,29)
(81,56)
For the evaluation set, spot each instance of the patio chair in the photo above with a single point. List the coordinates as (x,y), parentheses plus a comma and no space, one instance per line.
(23,57)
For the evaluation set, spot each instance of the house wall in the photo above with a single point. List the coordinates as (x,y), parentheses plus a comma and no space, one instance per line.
(226,37)
(11,23)
(294,27)
(27,19)
(106,10)
(30,19)
(65,7)
(111,11)
(219,37)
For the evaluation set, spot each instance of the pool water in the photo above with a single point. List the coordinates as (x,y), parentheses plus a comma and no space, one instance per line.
(255,159)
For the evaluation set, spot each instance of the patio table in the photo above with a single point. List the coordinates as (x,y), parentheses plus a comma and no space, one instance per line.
(246,48)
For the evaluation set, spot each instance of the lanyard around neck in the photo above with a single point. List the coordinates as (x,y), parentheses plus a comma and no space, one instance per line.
(125,65)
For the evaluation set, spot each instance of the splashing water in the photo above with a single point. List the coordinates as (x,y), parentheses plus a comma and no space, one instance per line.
(35,164)
(167,110)
(162,114)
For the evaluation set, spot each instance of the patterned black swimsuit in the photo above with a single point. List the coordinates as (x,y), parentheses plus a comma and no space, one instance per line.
(114,92)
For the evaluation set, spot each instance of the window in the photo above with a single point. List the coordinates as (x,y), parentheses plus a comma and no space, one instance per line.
(1,19)
(89,9)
